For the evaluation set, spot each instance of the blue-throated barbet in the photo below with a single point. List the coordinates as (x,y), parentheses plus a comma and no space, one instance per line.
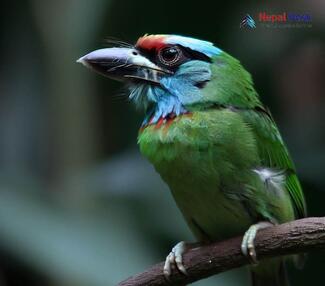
(211,140)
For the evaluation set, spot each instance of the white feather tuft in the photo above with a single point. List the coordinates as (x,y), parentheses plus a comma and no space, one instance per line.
(273,179)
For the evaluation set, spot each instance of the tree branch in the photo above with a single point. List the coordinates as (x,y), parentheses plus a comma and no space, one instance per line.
(290,238)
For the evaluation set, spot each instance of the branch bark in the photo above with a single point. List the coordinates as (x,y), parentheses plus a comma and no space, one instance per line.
(289,238)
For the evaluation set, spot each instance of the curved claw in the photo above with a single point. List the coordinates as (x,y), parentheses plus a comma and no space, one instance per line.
(247,245)
(175,259)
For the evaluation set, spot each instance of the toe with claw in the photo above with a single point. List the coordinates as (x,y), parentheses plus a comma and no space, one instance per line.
(175,259)
(247,245)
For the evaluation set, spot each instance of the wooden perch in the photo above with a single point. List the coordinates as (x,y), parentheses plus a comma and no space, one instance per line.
(289,238)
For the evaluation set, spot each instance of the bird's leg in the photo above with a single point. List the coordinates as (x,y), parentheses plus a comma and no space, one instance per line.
(175,258)
(247,245)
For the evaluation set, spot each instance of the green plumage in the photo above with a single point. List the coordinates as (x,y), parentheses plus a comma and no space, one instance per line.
(207,158)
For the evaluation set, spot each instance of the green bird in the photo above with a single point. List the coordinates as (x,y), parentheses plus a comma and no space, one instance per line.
(211,140)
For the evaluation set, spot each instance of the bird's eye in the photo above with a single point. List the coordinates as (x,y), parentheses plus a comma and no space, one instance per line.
(170,56)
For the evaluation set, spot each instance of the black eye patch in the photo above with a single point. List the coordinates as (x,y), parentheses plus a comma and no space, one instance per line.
(187,55)
(194,55)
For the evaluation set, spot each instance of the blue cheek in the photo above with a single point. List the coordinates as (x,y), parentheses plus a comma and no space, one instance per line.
(183,84)
(178,91)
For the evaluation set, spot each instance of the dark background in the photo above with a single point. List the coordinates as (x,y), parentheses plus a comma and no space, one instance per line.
(78,204)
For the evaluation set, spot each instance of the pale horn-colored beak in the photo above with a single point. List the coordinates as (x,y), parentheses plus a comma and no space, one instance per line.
(123,64)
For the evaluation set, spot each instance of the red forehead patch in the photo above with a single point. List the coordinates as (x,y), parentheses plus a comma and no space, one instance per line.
(149,42)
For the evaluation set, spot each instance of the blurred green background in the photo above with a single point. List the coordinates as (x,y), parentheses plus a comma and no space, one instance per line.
(78,204)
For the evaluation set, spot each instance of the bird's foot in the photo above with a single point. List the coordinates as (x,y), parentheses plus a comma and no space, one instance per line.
(175,259)
(247,245)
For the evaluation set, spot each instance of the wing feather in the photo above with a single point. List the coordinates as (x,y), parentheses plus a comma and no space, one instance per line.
(274,154)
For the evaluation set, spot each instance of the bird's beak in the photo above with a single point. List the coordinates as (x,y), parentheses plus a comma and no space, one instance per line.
(123,64)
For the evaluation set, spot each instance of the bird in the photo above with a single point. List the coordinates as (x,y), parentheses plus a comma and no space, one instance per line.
(211,139)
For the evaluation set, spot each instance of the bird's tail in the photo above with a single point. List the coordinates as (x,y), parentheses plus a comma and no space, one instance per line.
(270,273)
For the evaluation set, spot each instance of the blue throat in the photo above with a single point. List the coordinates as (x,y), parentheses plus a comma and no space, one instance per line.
(175,93)
(168,106)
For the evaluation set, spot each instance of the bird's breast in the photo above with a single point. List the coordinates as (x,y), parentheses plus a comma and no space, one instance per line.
(215,137)
(200,157)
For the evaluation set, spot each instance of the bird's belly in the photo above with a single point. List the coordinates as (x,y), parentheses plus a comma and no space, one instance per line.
(200,184)
(202,161)
(209,211)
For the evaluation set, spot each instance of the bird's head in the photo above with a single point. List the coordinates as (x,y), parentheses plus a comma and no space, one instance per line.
(168,75)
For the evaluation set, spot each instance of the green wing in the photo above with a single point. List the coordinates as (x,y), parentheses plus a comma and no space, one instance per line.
(274,154)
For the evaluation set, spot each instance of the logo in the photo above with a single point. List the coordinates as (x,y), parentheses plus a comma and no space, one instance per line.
(277,20)
(248,22)
(264,17)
